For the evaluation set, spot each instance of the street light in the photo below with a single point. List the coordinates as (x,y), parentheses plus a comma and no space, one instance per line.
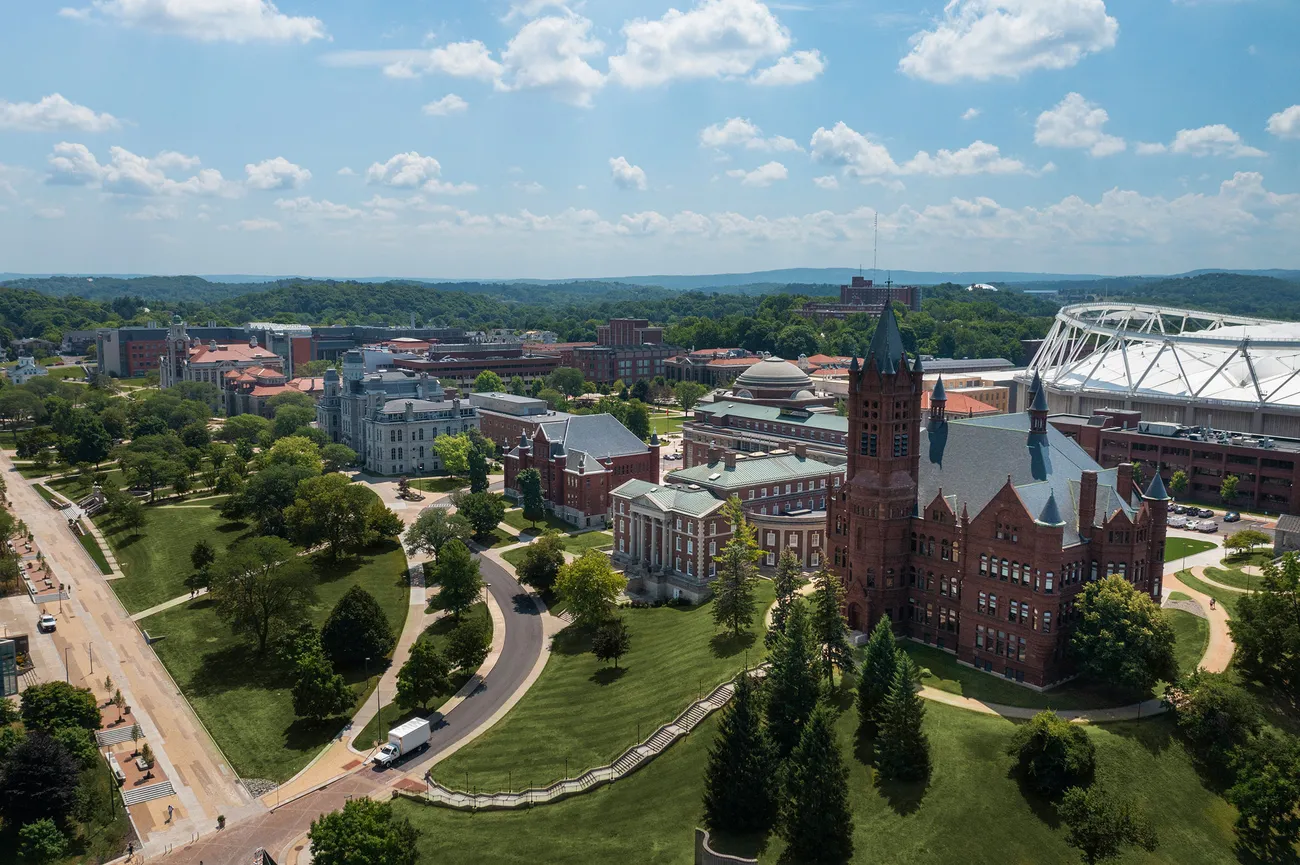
(67,670)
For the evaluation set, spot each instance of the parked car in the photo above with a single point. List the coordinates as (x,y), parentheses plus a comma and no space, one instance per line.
(46,623)
(1205,513)
(1190,525)
(1177,509)
(1178,522)
(1207,526)
(1231,517)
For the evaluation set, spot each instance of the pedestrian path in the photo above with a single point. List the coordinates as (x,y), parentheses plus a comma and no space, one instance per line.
(167,605)
(1199,573)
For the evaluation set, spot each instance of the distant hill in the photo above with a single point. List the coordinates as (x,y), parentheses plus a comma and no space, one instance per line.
(1236,293)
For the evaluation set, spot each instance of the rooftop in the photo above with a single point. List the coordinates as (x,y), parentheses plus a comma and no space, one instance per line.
(773,372)
(750,411)
(752,470)
(596,435)
(671,497)
(398,406)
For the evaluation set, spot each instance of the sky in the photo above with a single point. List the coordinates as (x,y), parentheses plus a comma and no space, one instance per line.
(482,138)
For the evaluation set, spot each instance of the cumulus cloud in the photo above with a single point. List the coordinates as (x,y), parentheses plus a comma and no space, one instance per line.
(971,113)
(827,181)
(984,39)
(764,175)
(1075,122)
(799,68)
(1215,140)
(742,132)
(714,39)
(626,175)
(548,54)
(345,171)
(411,171)
(53,113)
(129,174)
(449,104)
(1286,123)
(455,59)
(859,156)
(532,187)
(277,173)
(207,20)
(306,206)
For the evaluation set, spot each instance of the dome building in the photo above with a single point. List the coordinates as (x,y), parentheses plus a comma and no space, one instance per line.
(776,382)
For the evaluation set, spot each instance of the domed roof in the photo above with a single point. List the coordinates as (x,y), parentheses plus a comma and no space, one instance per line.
(774,372)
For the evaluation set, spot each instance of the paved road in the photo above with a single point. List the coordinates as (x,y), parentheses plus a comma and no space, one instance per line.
(275,831)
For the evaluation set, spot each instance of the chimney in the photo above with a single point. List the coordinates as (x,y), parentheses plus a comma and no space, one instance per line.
(801,451)
(729,459)
(715,454)
(1087,501)
(1124,483)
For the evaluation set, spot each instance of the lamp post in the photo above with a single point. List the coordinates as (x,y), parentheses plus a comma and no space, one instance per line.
(67,669)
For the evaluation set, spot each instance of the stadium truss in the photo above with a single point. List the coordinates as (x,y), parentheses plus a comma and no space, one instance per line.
(1172,355)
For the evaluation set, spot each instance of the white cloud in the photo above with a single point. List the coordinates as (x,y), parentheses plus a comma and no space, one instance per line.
(827,181)
(764,175)
(971,113)
(714,39)
(799,68)
(207,20)
(449,104)
(53,113)
(532,187)
(306,206)
(258,224)
(547,53)
(1286,123)
(346,171)
(533,8)
(1075,122)
(983,39)
(742,132)
(277,173)
(1215,140)
(858,156)
(404,170)
(156,213)
(456,59)
(49,212)
(626,175)
(129,174)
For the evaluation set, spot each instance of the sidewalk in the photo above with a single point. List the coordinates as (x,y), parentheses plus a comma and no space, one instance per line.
(167,605)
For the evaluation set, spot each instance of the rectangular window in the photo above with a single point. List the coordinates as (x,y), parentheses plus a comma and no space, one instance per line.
(984,564)
(993,605)
(1047,622)
(983,602)
(1013,611)
(690,546)
(979,636)
(866,446)
(1048,580)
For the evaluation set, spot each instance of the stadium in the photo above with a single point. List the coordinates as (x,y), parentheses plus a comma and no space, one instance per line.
(1175,366)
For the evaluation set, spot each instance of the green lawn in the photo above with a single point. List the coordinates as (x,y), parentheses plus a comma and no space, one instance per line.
(972,812)
(440,484)
(392,714)
(1234,577)
(44,492)
(662,425)
(579,544)
(946,674)
(515,557)
(155,559)
(78,486)
(1179,596)
(30,470)
(245,700)
(1223,596)
(92,547)
(515,519)
(1177,547)
(587,712)
(1192,637)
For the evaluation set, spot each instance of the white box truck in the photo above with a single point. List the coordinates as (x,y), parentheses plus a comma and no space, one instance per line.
(402,740)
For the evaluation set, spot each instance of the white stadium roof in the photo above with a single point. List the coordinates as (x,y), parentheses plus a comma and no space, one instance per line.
(1150,352)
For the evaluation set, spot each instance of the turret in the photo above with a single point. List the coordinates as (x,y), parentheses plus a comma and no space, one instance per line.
(1038,408)
(938,403)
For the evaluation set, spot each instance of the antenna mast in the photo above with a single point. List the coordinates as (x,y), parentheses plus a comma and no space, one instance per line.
(875,241)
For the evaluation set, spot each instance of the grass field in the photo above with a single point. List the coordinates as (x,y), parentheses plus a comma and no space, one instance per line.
(955,678)
(1234,577)
(588,712)
(1179,596)
(79,486)
(1226,598)
(663,425)
(392,714)
(579,544)
(92,547)
(30,470)
(440,485)
(1177,547)
(245,700)
(515,519)
(1192,637)
(972,812)
(155,559)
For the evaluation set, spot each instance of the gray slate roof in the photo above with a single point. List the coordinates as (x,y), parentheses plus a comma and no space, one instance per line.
(816,420)
(667,497)
(1288,523)
(970,459)
(398,406)
(597,435)
(886,347)
(747,472)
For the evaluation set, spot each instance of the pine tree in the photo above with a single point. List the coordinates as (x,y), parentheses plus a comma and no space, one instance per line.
(830,628)
(877,676)
(814,819)
(902,749)
(786,583)
(734,603)
(738,794)
(793,682)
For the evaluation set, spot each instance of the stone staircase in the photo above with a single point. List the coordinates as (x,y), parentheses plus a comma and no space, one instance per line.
(113,736)
(629,761)
(147,793)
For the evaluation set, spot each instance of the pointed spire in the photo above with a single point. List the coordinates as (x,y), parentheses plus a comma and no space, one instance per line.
(1037,384)
(938,401)
(886,349)
(916,367)
(939,395)
(1051,514)
(1040,398)
(1156,490)
(654,439)
(853,366)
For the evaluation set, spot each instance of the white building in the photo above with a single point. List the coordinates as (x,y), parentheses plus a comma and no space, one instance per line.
(26,370)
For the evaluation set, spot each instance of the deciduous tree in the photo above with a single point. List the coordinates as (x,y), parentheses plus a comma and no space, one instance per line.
(423,676)
(467,647)
(318,691)
(42,841)
(1178,483)
(488,382)
(365,832)
(1101,825)
(1121,636)
(335,457)
(356,629)
(434,528)
(458,576)
(612,640)
(39,780)
(688,393)
(1267,795)
(589,587)
(294,450)
(541,562)
(483,510)
(1214,714)
(1052,754)
(50,705)
(453,453)
(331,510)
(1228,489)
(261,588)
(1266,629)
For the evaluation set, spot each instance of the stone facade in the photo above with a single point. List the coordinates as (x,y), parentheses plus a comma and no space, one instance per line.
(976,534)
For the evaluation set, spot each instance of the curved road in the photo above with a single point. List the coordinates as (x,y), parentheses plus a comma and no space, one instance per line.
(277,829)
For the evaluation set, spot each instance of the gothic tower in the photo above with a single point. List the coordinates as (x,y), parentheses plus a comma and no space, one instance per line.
(869,521)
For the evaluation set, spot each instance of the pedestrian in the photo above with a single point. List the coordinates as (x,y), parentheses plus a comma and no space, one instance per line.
(1211,603)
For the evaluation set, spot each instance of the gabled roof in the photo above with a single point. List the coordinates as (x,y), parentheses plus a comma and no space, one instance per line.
(753,470)
(886,348)
(670,498)
(597,435)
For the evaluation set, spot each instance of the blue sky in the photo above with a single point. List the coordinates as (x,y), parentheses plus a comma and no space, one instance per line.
(610,137)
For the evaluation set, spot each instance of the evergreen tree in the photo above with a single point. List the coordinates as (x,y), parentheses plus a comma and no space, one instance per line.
(734,603)
(786,582)
(357,628)
(793,682)
(829,627)
(815,820)
(478,471)
(877,677)
(738,778)
(529,482)
(902,749)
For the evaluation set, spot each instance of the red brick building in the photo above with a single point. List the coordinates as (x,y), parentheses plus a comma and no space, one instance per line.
(504,417)
(582,458)
(626,348)
(976,534)
(864,296)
